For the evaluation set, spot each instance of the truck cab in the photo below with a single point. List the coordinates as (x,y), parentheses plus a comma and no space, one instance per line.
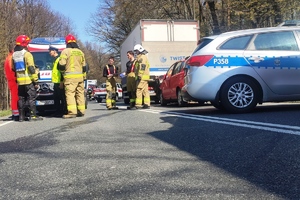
(44,63)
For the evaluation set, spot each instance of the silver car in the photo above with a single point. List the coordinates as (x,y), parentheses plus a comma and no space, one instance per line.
(237,70)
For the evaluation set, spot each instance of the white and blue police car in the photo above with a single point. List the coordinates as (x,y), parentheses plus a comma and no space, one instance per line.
(237,70)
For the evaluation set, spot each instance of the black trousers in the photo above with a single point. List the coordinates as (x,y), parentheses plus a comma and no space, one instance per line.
(27,96)
(59,99)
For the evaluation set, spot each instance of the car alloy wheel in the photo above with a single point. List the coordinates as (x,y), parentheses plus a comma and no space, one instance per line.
(239,95)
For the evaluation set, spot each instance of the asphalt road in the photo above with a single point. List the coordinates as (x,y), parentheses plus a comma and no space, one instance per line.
(194,152)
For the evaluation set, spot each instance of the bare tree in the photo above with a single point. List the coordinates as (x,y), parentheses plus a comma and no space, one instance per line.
(31,17)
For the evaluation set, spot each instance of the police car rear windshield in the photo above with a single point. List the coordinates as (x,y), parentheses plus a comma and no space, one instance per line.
(203,42)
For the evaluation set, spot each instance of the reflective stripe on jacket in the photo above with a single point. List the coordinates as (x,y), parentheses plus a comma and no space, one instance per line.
(73,60)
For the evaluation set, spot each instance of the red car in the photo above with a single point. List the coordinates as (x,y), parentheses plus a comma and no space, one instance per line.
(172,83)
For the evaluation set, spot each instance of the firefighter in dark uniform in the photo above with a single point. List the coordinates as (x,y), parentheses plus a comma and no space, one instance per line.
(142,74)
(73,67)
(110,71)
(27,77)
(57,80)
(131,82)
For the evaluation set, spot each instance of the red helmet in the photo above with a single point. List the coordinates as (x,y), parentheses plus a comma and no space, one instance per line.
(22,40)
(70,38)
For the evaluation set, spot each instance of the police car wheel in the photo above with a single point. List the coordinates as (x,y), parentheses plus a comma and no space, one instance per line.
(239,95)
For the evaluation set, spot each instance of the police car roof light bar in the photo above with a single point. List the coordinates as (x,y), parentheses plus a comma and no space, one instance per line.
(48,40)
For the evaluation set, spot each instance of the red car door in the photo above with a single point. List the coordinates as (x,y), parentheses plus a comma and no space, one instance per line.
(176,80)
(165,85)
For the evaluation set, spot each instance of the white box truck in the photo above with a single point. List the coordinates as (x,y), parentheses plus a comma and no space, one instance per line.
(166,42)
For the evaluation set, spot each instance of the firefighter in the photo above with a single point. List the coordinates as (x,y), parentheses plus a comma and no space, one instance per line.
(12,85)
(142,75)
(27,77)
(131,82)
(110,71)
(57,80)
(73,67)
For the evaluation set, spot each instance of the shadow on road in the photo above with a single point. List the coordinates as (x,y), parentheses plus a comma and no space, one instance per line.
(269,160)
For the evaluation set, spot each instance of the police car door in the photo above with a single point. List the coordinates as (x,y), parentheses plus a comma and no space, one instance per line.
(275,57)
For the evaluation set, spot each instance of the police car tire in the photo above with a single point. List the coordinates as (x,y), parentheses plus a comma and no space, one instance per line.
(229,101)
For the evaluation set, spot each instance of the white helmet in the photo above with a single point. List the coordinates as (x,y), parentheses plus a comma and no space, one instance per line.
(138,47)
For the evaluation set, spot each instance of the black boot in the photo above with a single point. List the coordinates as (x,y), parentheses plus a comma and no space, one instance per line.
(145,106)
(131,106)
(16,118)
(21,115)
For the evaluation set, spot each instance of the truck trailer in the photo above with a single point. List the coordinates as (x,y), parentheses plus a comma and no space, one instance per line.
(166,41)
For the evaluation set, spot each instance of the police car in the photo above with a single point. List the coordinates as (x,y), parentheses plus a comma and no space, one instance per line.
(237,70)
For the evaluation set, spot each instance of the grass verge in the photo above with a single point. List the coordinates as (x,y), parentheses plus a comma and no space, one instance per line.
(5,113)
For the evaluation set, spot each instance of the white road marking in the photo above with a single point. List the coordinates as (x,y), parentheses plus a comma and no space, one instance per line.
(279,128)
(6,123)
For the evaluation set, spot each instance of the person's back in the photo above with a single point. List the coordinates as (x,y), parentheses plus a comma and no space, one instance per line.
(27,78)
(72,65)
(74,61)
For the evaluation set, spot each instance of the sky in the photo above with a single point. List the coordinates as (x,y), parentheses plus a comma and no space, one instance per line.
(79,12)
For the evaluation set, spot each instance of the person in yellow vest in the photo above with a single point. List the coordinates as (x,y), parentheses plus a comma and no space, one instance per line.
(57,80)
(110,71)
(131,65)
(27,78)
(142,75)
(73,66)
